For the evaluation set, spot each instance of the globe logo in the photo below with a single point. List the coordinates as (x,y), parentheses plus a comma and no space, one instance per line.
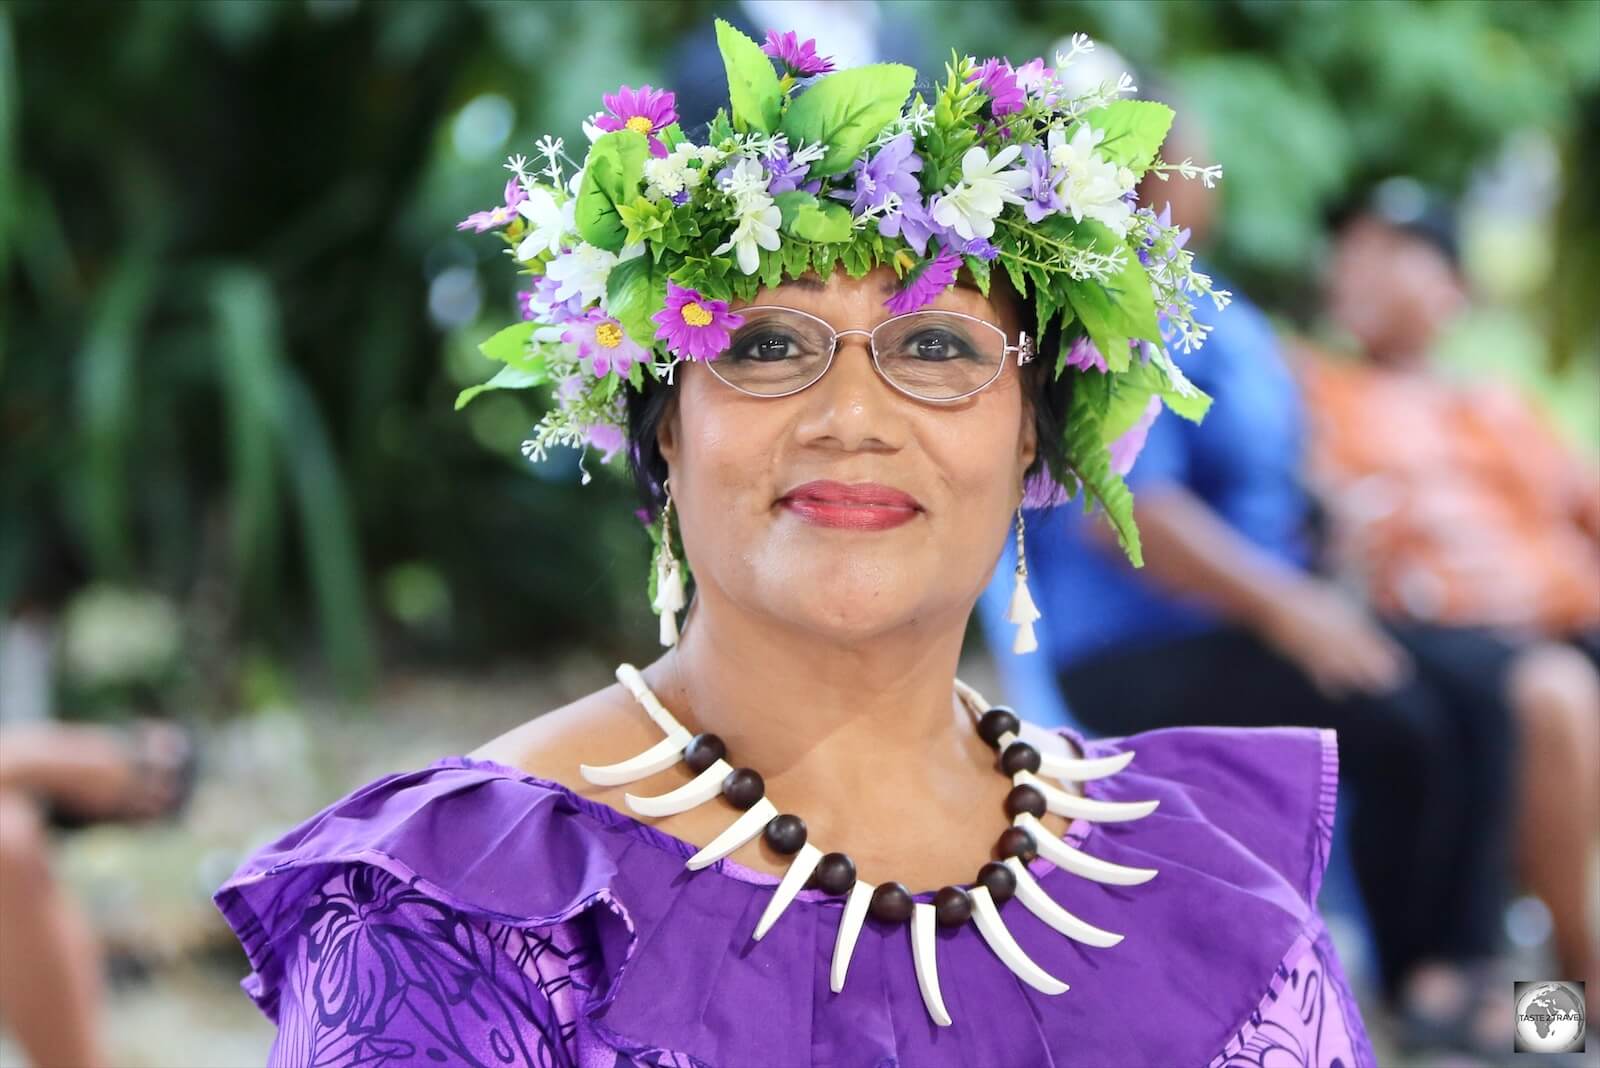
(1550,1017)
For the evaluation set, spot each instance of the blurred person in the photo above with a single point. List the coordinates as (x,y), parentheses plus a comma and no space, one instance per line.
(1228,624)
(72,775)
(837,453)
(1453,504)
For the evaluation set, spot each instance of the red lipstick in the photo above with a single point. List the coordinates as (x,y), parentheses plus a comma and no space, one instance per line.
(856,506)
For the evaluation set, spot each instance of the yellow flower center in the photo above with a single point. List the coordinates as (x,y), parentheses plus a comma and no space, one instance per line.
(695,315)
(609,335)
(640,124)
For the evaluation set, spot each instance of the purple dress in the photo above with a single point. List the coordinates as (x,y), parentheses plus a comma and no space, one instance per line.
(467,913)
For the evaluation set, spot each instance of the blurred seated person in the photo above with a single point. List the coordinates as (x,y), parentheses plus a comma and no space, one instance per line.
(1227,624)
(1453,504)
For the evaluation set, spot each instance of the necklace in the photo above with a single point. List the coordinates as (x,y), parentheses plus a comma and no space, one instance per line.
(997,881)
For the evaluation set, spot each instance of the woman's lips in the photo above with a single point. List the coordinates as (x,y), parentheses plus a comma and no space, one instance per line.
(861,506)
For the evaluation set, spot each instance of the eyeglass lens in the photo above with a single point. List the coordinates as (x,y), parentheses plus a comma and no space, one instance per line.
(929,354)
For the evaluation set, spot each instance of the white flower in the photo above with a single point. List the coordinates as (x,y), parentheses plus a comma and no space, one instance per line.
(971,205)
(1091,187)
(683,170)
(547,223)
(758,216)
(581,273)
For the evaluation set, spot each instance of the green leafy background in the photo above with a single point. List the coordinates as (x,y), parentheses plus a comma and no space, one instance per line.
(227,234)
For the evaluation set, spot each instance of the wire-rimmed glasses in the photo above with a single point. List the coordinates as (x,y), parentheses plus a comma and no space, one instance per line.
(934,356)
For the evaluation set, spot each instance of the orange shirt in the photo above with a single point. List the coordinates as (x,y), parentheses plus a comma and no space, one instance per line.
(1451,503)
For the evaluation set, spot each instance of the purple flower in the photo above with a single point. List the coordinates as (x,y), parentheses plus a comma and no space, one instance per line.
(1085,357)
(604,436)
(996,78)
(787,175)
(800,57)
(480,221)
(643,110)
(539,303)
(929,280)
(891,171)
(1034,75)
(1043,491)
(914,223)
(982,249)
(694,327)
(603,345)
(1125,450)
(1042,196)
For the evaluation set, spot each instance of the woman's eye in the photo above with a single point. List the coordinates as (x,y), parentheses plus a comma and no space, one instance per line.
(766,346)
(937,345)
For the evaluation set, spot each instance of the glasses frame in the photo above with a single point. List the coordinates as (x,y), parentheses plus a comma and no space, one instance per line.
(1023,348)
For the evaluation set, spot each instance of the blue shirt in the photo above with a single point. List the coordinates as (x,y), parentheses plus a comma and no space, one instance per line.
(1243,461)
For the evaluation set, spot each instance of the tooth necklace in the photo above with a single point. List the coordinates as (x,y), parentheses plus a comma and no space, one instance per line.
(891,902)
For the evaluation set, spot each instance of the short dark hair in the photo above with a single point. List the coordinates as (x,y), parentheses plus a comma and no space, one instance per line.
(1049,396)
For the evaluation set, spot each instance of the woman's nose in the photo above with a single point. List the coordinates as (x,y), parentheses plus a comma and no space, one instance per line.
(851,405)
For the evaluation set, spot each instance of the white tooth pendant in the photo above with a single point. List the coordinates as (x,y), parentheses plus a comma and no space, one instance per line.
(1038,902)
(844,945)
(737,833)
(994,932)
(1078,862)
(1023,612)
(800,869)
(927,963)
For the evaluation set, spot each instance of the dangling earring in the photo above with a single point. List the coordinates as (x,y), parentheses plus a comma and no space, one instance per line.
(669,599)
(1023,611)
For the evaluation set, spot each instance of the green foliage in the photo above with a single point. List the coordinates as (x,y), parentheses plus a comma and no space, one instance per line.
(806,218)
(846,111)
(634,292)
(611,178)
(752,84)
(1134,131)
(1085,445)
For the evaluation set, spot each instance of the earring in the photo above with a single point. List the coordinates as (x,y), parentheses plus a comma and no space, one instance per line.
(669,599)
(1023,611)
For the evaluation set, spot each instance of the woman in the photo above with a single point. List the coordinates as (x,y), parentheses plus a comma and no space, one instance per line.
(838,456)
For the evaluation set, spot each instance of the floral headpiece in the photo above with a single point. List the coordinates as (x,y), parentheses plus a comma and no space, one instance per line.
(635,259)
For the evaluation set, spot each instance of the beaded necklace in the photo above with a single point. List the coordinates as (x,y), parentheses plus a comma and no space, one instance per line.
(891,902)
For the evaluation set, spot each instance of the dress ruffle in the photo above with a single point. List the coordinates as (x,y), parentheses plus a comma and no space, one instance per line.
(1240,840)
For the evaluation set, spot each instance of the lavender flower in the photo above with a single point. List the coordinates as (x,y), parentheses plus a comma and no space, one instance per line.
(1085,357)
(799,57)
(931,279)
(891,171)
(982,249)
(1042,197)
(912,222)
(788,174)
(996,78)
(603,345)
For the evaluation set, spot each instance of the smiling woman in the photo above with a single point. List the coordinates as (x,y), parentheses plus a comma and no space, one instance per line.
(836,456)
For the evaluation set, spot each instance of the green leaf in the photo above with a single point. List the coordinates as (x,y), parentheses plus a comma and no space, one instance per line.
(635,292)
(1134,130)
(507,378)
(510,344)
(752,84)
(979,270)
(846,111)
(611,177)
(806,217)
(1118,309)
(1091,462)
(636,376)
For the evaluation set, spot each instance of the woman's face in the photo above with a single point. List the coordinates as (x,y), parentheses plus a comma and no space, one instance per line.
(737,460)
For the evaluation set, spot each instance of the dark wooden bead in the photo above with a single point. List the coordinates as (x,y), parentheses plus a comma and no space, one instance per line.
(785,833)
(1016,842)
(996,722)
(1025,798)
(998,878)
(703,751)
(952,906)
(743,787)
(891,903)
(835,873)
(1019,756)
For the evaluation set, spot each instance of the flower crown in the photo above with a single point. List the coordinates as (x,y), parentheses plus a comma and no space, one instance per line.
(635,259)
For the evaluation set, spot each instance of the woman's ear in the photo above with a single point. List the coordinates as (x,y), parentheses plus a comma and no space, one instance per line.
(667,434)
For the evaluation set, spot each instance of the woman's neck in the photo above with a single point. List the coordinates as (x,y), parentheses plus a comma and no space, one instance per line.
(823,721)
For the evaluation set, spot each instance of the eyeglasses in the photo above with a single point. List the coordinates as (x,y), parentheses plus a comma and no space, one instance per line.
(935,356)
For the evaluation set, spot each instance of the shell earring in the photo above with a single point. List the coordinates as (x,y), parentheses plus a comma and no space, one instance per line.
(1023,611)
(669,599)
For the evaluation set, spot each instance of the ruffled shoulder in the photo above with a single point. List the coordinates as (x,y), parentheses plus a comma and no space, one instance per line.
(1239,839)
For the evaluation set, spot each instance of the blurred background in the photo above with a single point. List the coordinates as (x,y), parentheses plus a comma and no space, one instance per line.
(236,313)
